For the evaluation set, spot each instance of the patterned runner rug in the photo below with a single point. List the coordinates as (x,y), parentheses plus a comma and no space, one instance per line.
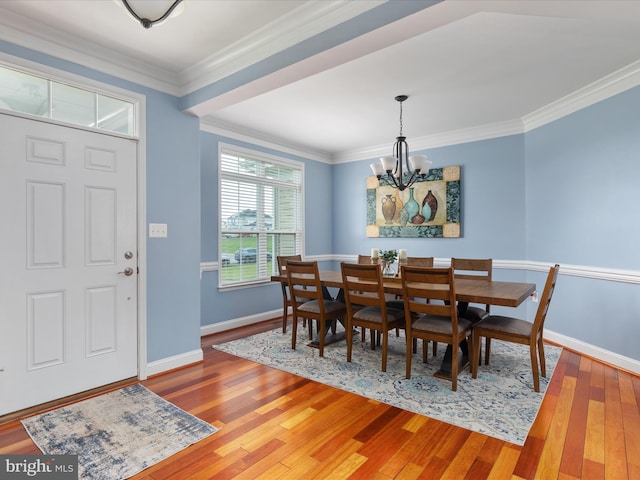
(118,434)
(500,403)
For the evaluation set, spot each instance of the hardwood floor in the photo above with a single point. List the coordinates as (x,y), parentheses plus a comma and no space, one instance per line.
(279,426)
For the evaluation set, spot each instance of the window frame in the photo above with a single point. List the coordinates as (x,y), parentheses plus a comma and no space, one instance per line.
(230,149)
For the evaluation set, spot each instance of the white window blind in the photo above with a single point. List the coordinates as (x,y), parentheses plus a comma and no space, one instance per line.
(260,214)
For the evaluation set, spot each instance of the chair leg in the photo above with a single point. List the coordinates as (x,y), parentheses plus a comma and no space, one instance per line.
(475,360)
(321,334)
(487,350)
(408,355)
(373,339)
(425,344)
(435,348)
(473,354)
(309,323)
(284,318)
(385,344)
(294,332)
(455,350)
(534,366)
(543,365)
(349,329)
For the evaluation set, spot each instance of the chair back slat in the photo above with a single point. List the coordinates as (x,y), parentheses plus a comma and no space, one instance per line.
(545,301)
(472,268)
(363,285)
(282,270)
(304,280)
(420,261)
(420,285)
(282,262)
(364,259)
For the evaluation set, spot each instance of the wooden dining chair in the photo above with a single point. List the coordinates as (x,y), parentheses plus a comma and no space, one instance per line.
(515,330)
(364,259)
(304,283)
(474,269)
(366,306)
(426,262)
(287,299)
(420,261)
(437,322)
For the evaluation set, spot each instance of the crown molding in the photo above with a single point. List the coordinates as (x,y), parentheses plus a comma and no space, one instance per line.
(36,36)
(301,23)
(309,19)
(224,129)
(454,137)
(613,84)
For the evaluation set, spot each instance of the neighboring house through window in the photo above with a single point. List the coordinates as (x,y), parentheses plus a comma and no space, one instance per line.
(260,214)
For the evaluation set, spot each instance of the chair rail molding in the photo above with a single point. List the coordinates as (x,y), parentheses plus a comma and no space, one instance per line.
(596,273)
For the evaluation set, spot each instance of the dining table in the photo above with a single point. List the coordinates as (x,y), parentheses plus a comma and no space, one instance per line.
(486,292)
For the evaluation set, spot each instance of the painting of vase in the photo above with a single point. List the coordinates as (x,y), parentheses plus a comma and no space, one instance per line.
(412,207)
(388,208)
(427,208)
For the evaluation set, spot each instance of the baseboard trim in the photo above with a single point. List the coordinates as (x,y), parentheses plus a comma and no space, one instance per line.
(239,322)
(176,361)
(597,353)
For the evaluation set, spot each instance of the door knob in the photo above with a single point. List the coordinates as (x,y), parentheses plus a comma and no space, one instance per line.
(127,272)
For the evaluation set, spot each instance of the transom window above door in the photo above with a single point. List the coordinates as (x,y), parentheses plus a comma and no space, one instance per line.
(30,94)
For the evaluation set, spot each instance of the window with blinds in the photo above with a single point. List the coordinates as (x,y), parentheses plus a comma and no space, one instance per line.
(260,214)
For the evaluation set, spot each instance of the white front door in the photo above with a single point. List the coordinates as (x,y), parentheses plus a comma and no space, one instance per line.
(68,270)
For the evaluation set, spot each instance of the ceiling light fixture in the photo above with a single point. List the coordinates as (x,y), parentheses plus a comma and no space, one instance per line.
(391,169)
(148,9)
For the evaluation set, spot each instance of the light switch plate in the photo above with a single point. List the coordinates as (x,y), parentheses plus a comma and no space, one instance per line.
(157,230)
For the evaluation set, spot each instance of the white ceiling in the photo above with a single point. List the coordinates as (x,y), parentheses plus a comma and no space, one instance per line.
(465,65)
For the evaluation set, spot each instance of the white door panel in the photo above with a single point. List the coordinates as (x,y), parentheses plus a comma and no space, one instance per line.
(68,318)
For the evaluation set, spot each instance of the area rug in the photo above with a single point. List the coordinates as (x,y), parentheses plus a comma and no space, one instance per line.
(118,434)
(500,403)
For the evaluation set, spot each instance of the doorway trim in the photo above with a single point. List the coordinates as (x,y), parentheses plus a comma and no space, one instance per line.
(140,135)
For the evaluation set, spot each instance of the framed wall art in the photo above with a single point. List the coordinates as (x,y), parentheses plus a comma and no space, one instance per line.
(430,208)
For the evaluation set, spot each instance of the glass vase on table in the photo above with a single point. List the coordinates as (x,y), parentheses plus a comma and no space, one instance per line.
(387,270)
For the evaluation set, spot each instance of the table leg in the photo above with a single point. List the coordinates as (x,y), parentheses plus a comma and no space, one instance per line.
(330,334)
(445,366)
(463,356)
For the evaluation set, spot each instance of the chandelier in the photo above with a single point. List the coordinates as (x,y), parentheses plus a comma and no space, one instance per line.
(401,170)
(148,9)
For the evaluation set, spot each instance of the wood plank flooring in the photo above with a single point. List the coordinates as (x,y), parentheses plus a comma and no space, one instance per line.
(279,426)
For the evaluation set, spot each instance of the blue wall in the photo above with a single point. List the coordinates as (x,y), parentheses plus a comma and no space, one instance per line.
(493,201)
(583,195)
(173,197)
